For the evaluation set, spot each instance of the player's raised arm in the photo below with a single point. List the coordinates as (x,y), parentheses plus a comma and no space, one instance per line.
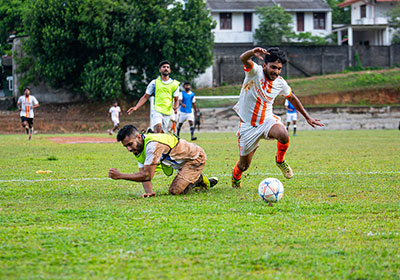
(246,56)
(299,107)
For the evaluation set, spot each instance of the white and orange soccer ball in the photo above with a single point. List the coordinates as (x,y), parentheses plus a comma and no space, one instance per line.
(271,190)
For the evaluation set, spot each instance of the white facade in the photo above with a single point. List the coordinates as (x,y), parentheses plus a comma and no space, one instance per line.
(369,24)
(238,35)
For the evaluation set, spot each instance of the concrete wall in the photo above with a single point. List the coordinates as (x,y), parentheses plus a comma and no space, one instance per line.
(303,61)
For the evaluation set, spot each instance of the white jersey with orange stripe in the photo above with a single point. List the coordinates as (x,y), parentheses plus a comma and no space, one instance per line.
(258,94)
(27,104)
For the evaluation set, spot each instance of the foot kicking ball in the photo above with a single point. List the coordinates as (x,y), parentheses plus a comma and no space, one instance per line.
(270,190)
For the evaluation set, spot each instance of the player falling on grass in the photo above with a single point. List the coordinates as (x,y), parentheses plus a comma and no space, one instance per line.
(260,87)
(165,150)
(114,112)
(162,93)
(187,100)
(26,103)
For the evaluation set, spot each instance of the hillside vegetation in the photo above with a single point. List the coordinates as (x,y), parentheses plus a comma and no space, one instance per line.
(334,83)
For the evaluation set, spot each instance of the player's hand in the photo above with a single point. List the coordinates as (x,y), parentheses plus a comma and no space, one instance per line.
(148,194)
(175,110)
(183,105)
(314,122)
(113,173)
(258,52)
(131,110)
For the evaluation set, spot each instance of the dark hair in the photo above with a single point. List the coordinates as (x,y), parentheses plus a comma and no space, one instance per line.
(163,62)
(274,55)
(127,130)
(186,83)
(26,89)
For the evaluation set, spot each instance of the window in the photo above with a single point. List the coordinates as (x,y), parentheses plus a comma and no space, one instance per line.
(300,21)
(319,20)
(363,11)
(225,20)
(247,21)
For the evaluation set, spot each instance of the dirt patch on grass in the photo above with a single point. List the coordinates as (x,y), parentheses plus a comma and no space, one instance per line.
(82,140)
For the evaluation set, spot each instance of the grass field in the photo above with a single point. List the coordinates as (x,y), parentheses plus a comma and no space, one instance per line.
(339,218)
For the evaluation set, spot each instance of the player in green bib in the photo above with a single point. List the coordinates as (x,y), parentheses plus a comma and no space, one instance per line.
(163,94)
(161,149)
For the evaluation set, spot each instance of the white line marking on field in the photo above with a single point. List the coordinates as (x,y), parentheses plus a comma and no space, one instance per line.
(217,175)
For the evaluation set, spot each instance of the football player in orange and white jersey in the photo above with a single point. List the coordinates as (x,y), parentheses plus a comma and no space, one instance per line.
(260,87)
(26,103)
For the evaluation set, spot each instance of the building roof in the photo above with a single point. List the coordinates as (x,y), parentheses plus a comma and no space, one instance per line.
(251,5)
(350,2)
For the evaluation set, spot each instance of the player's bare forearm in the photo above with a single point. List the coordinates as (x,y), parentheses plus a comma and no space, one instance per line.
(148,188)
(140,103)
(299,107)
(145,174)
(246,56)
(194,107)
(35,106)
(176,103)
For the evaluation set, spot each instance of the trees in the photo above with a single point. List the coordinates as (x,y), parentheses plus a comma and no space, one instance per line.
(339,15)
(87,45)
(274,27)
(11,20)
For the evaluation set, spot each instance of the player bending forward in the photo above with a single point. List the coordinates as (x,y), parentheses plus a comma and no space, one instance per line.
(152,150)
(260,87)
(26,103)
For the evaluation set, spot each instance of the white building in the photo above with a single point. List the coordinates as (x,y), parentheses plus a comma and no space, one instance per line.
(237,21)
(369,23)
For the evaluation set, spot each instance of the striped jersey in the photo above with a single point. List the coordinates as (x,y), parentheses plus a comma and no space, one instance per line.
(27,104)
(258,94)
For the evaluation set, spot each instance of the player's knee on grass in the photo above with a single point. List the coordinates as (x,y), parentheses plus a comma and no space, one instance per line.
(178,186)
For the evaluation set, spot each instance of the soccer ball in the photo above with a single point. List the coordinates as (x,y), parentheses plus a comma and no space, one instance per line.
(270,190)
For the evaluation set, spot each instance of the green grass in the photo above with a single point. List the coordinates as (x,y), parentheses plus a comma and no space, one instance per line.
(339,218)
(326,84)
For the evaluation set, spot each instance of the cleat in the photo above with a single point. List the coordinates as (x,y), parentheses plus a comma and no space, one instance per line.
(205,183)
(285,168)
(193,138)
(213,181)
(236,184)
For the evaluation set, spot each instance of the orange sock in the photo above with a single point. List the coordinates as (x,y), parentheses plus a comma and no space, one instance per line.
(237,173)
(280,154)
(173,127)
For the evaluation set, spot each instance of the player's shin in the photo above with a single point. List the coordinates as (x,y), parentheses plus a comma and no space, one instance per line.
(282,148)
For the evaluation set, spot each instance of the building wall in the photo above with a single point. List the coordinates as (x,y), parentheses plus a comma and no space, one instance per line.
(238,35)
(375,14)
(303,60)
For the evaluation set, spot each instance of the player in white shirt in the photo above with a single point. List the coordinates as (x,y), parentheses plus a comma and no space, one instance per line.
(260,87)
(162,94)
(26,103)
(114,112)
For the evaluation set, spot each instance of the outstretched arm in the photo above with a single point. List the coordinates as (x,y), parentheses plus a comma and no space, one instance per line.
(145,174)
(299,107)
(142,100)
(246,56)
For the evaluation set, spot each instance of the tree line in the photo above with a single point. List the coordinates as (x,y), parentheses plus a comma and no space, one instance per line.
(87,45)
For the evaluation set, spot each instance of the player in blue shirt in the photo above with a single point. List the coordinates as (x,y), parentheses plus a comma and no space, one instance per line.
(187,103)
(291,116)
